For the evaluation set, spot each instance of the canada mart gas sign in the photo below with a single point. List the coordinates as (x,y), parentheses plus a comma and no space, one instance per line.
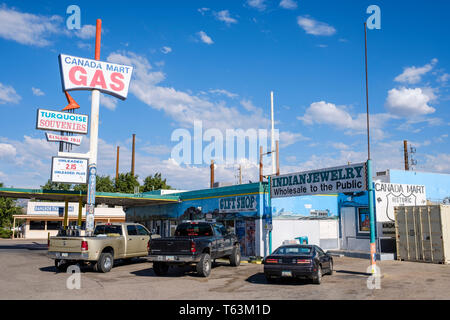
(86,74)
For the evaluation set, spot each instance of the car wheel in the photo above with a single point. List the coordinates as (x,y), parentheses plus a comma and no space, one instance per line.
(60,265)
(269,279)
(317,279)
(160,268)
(105,262)
(235,258)
(331,269)
(204,265)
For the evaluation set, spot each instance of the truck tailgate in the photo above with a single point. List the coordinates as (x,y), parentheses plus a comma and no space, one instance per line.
(172,245)
(65,244)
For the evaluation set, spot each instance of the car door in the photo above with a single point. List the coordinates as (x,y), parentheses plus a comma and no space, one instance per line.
(323,258)
(228,240)
(219,240)
(143,239)
(132,241)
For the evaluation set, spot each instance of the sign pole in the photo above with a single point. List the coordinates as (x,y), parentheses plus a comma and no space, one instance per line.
(373,249)
(270,217)
(95,103)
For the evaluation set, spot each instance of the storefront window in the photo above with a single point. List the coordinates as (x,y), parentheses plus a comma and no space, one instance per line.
(363,220)
(37,225)
(54,225)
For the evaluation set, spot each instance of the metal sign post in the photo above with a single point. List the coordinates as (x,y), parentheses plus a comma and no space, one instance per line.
(95,103)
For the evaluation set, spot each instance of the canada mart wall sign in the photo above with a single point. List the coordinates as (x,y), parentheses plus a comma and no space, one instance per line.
(351,178)
(62,121)
(86,74)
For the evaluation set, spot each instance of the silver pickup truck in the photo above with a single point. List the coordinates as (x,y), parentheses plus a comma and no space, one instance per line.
(111,241)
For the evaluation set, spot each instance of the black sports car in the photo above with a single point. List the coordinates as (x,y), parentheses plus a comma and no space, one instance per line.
(298,261)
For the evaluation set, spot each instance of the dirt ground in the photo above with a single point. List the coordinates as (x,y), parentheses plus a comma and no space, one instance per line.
(27,273)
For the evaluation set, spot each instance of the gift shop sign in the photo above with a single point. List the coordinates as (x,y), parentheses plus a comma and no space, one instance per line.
(62,121)
(351,178)
(69,170)
(86,74)
(239,203)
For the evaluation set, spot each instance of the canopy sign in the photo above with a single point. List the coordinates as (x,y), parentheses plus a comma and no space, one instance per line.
(69,170)
(237,204)
(86,74)
(62,121)
(351,178)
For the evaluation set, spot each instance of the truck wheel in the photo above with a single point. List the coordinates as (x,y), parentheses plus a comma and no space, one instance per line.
(204,265)
(331,269)
(60,265)
(235,258)
(105,262)
(160,268)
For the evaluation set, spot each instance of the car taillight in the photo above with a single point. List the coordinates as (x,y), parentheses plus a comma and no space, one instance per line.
(148,246)
(271,260)
(303,261)
(84,246)
(193,249)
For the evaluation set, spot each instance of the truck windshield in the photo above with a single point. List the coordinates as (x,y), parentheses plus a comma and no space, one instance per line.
(198,230)
(105,229)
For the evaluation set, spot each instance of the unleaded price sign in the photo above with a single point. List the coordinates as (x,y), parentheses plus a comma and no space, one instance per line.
(351,178)
(86,74)
(69,170)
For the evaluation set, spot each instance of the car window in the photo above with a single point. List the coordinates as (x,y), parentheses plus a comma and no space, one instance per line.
(142,231)
(320,251)
(193,229)
(131,230)
(217,230)
(294,250)
(105,229)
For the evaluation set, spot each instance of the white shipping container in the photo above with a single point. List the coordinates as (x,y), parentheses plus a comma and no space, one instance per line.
(423,233)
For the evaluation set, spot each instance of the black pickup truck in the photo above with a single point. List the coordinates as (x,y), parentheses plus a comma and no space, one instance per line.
(195,242)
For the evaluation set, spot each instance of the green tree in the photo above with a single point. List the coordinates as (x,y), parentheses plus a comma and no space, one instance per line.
(56,186)
(154,183)
(8,207)
(126,183)
(102,184)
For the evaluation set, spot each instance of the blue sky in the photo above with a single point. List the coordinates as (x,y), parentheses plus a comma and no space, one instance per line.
(217,61)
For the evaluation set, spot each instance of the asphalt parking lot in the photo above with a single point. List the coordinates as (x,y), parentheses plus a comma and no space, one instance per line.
(27,273)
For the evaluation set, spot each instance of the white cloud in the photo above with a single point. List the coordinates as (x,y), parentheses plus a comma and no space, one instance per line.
(438,163)
(166,50)
(224,16)
(258,4)
(288,4)
(204,37)
(337,116)
(108,102)
(203,10)
(37,92)
(7,151)
(87,31)
(409,102)
(288,138)
(26,28)
(181,106)
(315,27)
(224,92)
(157,149)
(414,74)
(340,146)
(8,95)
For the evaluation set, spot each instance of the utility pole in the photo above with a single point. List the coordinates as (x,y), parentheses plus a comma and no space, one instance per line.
(117,164)
(211,167)
(373,249)
(133,155)
(272,145)
(277,147)
(240,174)
(260,164)
(405,154)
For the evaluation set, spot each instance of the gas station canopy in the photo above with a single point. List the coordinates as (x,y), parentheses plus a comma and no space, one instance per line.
(118,199)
